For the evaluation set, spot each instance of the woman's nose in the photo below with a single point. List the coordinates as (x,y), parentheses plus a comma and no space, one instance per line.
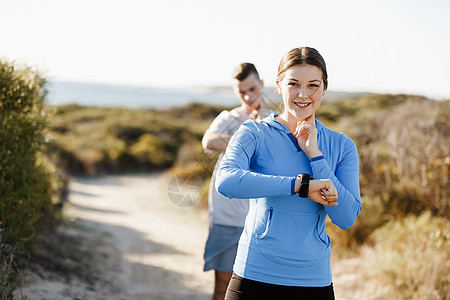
(302,93)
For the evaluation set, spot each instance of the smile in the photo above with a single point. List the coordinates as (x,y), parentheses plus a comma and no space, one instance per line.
(302,105)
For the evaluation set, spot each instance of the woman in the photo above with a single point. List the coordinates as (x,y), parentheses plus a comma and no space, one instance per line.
(284,250)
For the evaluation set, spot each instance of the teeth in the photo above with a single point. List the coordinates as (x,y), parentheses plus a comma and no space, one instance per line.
(302,104)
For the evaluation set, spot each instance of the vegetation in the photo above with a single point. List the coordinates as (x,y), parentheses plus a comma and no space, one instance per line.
(29,184)
(403,143)
(409,259)
(404,147)
(404,160)
(93,140)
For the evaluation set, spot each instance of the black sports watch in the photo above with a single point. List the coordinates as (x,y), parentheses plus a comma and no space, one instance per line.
(304,186)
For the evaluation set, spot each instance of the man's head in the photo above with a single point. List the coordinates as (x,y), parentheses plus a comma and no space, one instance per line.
(247,86)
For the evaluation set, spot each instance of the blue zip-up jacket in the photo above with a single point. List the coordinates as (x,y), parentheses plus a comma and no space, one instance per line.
(284,241)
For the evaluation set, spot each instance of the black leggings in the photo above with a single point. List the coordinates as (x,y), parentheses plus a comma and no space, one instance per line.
(241,288)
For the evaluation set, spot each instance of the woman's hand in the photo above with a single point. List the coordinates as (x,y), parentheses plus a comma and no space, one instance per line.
(306,134)
(323,192)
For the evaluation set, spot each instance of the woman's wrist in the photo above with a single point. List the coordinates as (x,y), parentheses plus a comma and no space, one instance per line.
(298,183)
(301,185)
(313,154)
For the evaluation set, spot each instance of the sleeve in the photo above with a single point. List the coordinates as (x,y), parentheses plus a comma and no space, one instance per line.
(346,180)
(223,123)
(235,180)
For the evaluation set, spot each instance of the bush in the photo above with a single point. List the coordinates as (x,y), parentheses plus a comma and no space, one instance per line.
(28,184)
(403,144)
(409,259)
(93,140)
(150,149)
(405,161)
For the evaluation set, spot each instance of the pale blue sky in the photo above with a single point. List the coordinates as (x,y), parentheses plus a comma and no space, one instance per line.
(390,46)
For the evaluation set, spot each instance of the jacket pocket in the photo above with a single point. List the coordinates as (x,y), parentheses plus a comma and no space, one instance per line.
(290,238)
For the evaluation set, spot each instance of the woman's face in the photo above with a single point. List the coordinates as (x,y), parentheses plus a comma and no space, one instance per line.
(302,89)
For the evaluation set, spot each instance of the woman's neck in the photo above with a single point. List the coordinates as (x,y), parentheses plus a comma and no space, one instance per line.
(290,121)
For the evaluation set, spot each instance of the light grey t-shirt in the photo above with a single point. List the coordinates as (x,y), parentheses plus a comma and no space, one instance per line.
(223,210)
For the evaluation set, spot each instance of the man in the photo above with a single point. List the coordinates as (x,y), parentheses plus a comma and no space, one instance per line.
(227,216)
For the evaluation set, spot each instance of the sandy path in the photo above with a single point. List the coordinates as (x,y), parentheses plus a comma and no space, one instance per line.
(153,248)
(161,244)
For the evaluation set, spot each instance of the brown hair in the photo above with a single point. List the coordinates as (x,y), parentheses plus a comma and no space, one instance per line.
(244,70)
(302,56)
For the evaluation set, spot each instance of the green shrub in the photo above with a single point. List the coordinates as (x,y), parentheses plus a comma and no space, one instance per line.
(27,181)
(93,140)
(150,148)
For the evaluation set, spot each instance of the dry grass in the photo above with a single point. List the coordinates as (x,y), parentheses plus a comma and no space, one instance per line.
(409,259)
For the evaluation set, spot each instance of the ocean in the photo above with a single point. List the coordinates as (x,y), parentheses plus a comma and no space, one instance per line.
(104,95)
(138,97)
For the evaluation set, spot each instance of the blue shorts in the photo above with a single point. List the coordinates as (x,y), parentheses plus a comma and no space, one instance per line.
(221,247)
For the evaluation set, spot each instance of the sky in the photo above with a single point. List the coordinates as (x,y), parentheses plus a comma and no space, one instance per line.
(384,46)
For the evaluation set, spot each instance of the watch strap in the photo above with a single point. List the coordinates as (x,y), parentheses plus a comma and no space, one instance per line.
(304,186)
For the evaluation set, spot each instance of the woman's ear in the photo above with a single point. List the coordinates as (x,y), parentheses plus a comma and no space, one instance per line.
(279,88)
(323,92)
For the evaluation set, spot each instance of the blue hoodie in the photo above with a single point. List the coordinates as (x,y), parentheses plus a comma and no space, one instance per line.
(284,241)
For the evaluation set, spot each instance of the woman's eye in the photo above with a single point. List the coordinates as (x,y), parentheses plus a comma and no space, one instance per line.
(314,85)
(292,84)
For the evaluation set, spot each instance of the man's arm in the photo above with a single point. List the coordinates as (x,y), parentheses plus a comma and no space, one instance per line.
(215,142)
